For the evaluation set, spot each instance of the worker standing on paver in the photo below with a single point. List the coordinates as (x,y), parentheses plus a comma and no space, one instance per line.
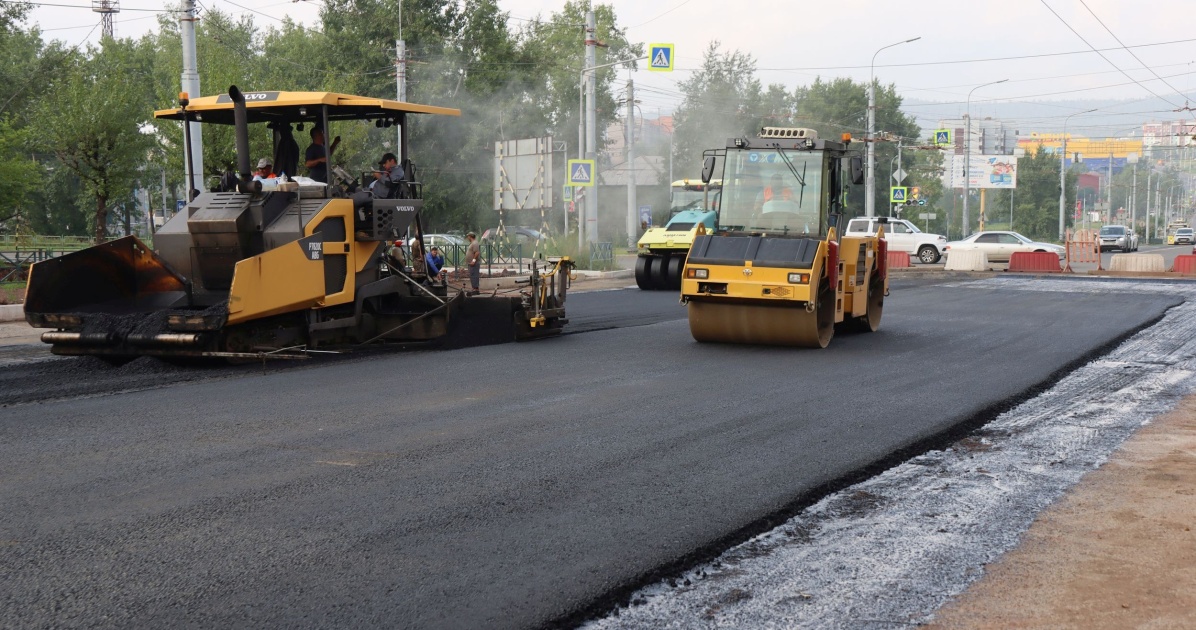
(473,260)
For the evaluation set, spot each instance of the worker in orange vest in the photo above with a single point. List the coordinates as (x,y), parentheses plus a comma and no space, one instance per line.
(774,191)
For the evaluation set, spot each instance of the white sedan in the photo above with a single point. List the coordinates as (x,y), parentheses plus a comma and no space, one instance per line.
(999,246)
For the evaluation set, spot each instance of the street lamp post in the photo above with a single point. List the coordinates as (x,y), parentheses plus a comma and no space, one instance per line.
(967,159)
(1062,173)
(870,182)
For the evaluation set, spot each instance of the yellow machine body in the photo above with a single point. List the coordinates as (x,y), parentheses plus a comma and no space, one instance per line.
(269,269)
(775,273)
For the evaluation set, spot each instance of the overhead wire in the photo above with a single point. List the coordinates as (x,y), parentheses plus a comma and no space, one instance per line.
(1102,55)
(1136,58)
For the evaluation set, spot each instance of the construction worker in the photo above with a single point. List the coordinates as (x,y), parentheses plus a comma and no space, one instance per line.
(776,190)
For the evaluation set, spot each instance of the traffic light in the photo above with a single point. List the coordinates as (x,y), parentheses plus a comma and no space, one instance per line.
(915,193)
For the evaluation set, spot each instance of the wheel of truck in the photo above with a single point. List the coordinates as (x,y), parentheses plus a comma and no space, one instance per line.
(928,254)
(643,272)
(676,266)
(660,273)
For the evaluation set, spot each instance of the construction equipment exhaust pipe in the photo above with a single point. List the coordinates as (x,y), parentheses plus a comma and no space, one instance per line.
(241,120)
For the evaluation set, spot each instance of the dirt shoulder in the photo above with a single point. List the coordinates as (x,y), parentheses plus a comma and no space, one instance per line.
(1117,551)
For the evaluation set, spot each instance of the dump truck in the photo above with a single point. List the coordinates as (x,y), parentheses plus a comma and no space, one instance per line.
(280,269)
(661,251)
(775,270)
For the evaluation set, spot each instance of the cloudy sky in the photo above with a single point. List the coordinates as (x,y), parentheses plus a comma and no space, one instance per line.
(1044,48)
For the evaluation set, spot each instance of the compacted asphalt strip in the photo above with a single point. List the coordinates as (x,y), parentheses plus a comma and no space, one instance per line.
(504,486)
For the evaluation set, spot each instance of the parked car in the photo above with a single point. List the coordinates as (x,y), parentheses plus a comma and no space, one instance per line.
(443,241)
(999,246)
(517,235)
(1118,237)
(902,236)
(1185,235)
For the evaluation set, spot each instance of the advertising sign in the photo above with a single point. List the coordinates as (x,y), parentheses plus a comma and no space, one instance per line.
(985,171)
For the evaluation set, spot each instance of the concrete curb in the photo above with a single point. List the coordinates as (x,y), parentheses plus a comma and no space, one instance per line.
(12,313)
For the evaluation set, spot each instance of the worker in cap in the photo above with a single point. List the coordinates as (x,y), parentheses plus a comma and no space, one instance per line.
(387,178)
(265,170)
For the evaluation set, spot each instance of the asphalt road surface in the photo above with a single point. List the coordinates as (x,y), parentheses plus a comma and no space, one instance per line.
(501,487)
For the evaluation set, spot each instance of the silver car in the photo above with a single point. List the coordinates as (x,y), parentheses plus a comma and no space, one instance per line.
(1118,237)
(1184,235)
(999,246)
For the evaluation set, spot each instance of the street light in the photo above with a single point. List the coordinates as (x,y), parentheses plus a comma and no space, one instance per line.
(870,182)
(967,159)
(1062,172)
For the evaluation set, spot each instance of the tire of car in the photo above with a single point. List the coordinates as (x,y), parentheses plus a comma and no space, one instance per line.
(928,254)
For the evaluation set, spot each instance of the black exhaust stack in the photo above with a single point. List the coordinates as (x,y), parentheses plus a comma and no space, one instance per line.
(241,119)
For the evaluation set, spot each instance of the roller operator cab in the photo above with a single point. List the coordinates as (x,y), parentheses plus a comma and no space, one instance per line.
(662,250)
(255,269)
(775,270)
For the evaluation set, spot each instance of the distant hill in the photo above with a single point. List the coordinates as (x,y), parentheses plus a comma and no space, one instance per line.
(1118,118)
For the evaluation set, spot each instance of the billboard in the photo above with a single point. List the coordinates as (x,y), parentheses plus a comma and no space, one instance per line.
(985,171)
(523,174)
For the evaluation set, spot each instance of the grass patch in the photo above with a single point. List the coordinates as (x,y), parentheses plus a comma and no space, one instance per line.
(12,292)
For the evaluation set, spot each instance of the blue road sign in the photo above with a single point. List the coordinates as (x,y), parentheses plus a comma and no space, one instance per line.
(898,194)
(660,57)
(581,172)
(942,136)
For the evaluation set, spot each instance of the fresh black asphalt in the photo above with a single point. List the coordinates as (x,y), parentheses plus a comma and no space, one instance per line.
(500,487)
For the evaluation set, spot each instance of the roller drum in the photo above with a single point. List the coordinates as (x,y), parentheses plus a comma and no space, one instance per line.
(781,324)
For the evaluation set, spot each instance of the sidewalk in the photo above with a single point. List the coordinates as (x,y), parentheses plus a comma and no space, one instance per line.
(1117,551)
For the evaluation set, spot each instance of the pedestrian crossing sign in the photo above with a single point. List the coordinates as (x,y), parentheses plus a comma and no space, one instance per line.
(581,172)
(898,194)
(942,136)
(660,57)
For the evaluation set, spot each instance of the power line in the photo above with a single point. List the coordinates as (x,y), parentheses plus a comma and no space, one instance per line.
(1102,55)
(1099,21)
(981,60)
(88,7)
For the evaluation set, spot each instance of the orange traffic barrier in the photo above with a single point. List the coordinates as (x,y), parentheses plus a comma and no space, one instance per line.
(1082,247)
(1036,262)
(898,260)
(1185,264)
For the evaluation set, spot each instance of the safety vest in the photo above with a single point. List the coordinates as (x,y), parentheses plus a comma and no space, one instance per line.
(786,194)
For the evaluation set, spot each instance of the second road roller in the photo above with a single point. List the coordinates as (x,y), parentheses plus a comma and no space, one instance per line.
(775,270)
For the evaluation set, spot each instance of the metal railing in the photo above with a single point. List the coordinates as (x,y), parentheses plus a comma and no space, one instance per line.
(493,255)
(602,255)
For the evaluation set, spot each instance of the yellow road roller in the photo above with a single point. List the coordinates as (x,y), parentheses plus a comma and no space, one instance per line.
(776,271)
(662,250)
(281,267)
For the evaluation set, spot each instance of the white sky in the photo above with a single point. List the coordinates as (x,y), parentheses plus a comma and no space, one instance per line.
(795,40)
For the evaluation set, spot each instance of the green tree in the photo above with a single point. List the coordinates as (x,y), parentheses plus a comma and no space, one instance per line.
(717,105)
(93,118)
(841,106)
(19,172)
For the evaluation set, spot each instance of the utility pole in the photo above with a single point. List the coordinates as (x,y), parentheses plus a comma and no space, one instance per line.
(592,125)
(1109,193)
(631,205)
(1134,200)
(400,80)
(190,85)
